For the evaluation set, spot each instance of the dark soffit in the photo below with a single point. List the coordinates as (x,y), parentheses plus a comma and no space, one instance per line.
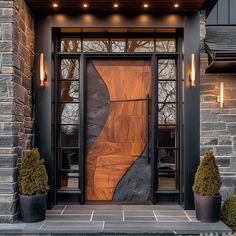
(126,6)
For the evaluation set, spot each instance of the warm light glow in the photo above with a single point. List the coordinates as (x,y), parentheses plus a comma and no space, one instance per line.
(42,70)
(145,5)
(116,5)
(193,71)
(221,99)
(176,5)
(55,5)
(85,5)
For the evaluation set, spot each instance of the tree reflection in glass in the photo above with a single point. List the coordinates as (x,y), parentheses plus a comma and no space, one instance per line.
(167,91)
(70,45)
(96,45)
(165,45)
(140,45)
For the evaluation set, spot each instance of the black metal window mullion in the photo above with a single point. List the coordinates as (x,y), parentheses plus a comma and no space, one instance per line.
(61,147)
(176,147)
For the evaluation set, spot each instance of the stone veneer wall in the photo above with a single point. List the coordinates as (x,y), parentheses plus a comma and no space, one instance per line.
(218,125)
(16,124)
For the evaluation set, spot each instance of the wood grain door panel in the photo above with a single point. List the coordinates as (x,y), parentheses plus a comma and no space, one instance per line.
(123,137)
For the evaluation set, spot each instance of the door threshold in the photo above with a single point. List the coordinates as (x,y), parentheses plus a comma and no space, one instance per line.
(118,203)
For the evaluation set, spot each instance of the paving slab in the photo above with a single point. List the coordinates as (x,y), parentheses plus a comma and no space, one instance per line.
(68,218)
(116,220)
(73,227)
(107,217)
(77,212)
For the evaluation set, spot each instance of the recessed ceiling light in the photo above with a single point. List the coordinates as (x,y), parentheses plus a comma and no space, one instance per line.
(116,5)
(85,5)
(145,5)
(55,5)
(176,5)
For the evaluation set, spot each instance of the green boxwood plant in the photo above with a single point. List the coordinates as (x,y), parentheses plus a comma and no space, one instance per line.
(228,212)
(207,178)
(33,178)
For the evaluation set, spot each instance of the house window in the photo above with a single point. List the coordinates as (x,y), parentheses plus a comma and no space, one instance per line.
(167,123)
(115,45)
(69,120)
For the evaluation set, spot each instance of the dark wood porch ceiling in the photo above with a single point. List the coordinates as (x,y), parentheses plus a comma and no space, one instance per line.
(125,6)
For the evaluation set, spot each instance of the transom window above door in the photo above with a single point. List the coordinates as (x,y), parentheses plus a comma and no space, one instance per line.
(118,45)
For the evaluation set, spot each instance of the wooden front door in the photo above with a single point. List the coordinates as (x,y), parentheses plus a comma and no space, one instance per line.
(116,130)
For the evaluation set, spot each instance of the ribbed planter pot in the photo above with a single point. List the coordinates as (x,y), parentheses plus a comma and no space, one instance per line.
(33,208)
(207,208)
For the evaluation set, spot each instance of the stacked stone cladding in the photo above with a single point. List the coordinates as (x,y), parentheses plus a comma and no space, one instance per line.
(218,125)
(16,122)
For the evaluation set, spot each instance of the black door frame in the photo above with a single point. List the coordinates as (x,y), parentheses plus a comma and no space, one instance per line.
(153,57)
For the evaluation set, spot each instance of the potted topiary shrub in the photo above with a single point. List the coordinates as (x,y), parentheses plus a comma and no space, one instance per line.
(33,187)
(228,212)
(206,189)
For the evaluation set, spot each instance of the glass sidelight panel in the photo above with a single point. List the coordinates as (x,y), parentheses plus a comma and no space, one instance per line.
(68,144)
(70,69)
(69,180)
(166,136)
(70,113)
(167,168)
(167,145)
(167,91)
(167,69)
(69,169)
(69,135)
(69,91)
(69,159)
(166,113)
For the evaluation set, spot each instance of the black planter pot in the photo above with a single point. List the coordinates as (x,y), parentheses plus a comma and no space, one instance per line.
(207,208)
(33,208)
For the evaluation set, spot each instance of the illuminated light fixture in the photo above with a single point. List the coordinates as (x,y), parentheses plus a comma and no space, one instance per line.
(85,5)
(176,5)
(43,75)
(220,98)
(145,5)
(192,76)
(55,5)
(115,5)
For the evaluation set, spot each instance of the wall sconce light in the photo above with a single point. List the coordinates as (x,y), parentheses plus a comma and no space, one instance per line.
(192,75)
(43,75)
(220,98)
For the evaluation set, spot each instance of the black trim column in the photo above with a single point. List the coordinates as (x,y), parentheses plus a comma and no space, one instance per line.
(191,111)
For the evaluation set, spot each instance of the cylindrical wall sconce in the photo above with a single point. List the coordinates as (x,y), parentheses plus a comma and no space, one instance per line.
(43,75)
(220,98)
(192,75)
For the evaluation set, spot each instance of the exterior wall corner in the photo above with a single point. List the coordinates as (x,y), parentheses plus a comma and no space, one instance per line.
(16,122)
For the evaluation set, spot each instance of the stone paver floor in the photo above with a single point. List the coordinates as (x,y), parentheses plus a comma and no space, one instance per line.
(118,219)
